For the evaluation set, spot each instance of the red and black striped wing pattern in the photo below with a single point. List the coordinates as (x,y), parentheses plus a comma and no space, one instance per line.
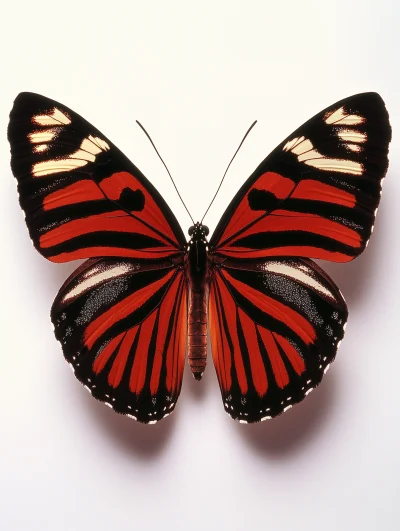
(275,327)
(123,327)
(317,193)
(82,197)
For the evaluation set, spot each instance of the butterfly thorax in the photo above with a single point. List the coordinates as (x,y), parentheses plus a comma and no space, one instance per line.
(197,256)
(197,271)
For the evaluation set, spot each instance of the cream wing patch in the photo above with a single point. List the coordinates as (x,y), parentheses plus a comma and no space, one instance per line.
(344,125)
(37,137)
(89,148)
(354,147)
(341,117)
(306,153)
(352,135)
(300,273)
(96,276)
(52,123)
(40,148)
(54,117)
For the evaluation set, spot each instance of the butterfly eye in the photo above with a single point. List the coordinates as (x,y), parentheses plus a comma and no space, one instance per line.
(191,230)
(206,230)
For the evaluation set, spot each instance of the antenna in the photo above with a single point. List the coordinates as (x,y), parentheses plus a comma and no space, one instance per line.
(226,171)
(173,182)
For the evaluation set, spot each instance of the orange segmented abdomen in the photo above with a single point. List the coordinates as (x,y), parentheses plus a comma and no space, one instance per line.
(197,332)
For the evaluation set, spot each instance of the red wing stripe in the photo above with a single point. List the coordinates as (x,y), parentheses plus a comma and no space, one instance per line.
(219,338)
(165,316)
(271,182)
(294,357)
(225,352)
(182,336)
(258,372)
(216,338)
(86,190)
(138,373)
(215,335)
(282,220)
(118,367)
(155,252)
(278,367)
(292,250)
(276,309)
(113,187)
(106,353)
(172,360)
(316,191)
(122,309)
(117,221)
(169,359)
(229,306)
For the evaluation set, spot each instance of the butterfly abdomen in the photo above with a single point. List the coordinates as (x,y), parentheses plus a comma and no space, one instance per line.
(197,332)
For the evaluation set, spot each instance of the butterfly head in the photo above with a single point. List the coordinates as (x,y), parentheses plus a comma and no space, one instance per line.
(198,232)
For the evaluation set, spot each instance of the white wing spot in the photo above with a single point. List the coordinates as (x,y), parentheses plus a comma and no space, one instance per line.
(327,368)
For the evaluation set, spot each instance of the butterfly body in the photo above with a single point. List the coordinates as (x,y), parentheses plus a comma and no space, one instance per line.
(197,277)
(145,299)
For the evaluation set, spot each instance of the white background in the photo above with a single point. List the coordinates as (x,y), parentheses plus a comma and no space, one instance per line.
(197,74)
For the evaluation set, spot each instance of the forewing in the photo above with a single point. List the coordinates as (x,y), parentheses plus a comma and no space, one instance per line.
(81,196)
(317,193)
(275,327)
(123,326)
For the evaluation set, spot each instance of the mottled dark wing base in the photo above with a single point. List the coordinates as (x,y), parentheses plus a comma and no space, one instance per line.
(122,326)
(275,327)
(317,193)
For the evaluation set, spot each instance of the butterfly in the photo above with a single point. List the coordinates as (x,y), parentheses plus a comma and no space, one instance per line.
(146,298)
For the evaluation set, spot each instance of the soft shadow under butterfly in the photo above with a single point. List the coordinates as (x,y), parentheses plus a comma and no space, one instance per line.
(146,296)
